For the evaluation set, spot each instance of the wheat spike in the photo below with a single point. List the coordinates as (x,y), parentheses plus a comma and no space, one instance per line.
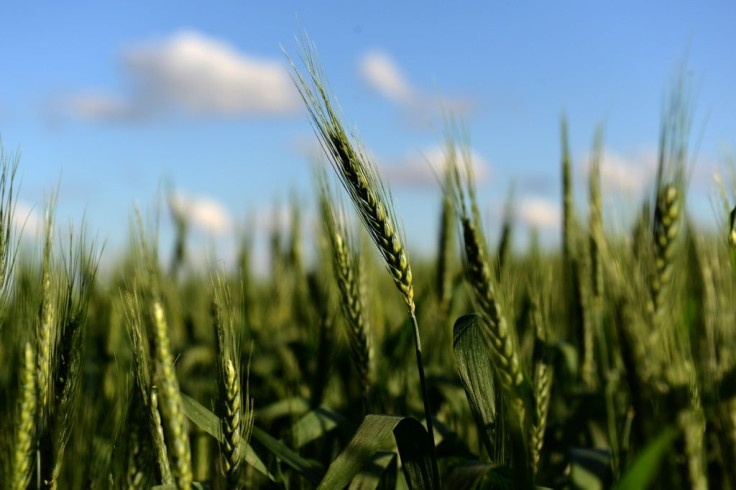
(171,410)
(25,425)
(346,266)
(357,174)
(360,179)
(666,227)
(231,407)
(46,321)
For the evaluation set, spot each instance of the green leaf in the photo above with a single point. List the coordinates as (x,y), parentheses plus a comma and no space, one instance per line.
(645,467)
(411,438)
(415,449)
(314,424)
(309,469)
(590,469)
(465,476)
(380,472)
(210,423)
(476,374)
(294,406)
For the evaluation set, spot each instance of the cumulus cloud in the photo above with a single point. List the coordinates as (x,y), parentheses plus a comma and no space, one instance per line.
(193,73)
(27,219)
(629,175)
(539,212)
(381,73)
(425,168)
(204,213)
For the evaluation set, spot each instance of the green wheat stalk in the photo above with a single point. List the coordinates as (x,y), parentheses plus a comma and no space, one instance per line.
(370,197)
(346,267)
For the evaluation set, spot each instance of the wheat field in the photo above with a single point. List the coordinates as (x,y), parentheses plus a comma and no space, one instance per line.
(607,363)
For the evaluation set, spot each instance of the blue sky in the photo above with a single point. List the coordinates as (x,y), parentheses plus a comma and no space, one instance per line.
(113,100)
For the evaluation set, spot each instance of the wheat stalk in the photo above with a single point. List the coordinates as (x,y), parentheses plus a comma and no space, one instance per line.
(147,393)
(543,374)
(159,439)
(8,170)
(173,417)
(46,320)
(80,275)
(360,179)
(236,422)
(478,273)
(346,266)
(666,227)
(357,173)
(25,427)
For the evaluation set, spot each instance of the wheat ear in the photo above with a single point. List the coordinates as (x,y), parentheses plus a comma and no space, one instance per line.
(666,227)
(25,425)
(543,376)
(171,409)
(46,320)
(147,393)
(346,267)
(370,198)
(235,421)
(478,273)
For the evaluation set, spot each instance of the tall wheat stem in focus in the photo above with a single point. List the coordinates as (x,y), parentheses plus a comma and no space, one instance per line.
(371,199)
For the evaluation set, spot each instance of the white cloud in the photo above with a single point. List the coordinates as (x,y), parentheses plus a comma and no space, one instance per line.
(425,168)
(204,213)
(380,72)
(629,175)
(208,76)
(27,220)
(98,107)
(539,212)
(196,74)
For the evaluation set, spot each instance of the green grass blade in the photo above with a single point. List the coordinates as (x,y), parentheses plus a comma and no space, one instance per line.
(288,407)
(590,468)
(210,423)
(476,374)
(308,469)
(417,458)
(380,472)
(372,435)
(315,424)
(645,467)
